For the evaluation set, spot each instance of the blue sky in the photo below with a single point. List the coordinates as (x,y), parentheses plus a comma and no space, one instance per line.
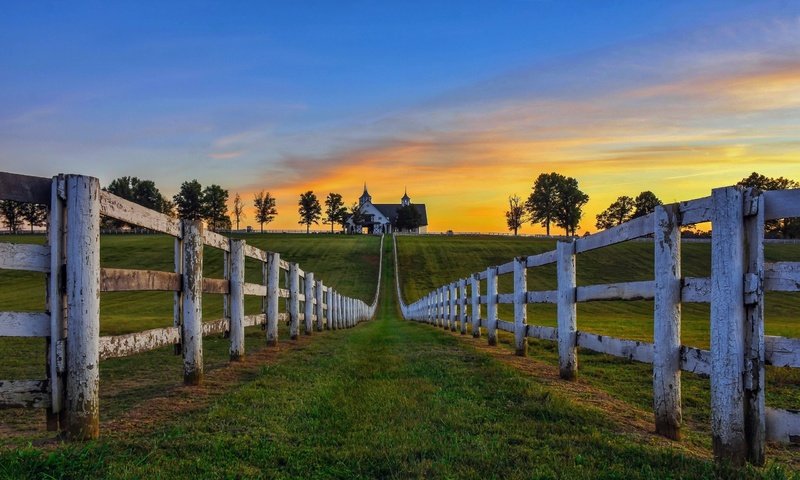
(297,95)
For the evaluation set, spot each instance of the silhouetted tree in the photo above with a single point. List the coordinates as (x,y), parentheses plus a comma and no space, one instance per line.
(189,200)
(12,214)
(570,205)
(407,218)
(335,210)
(238,209)
(646,203)
(784,227)
(34,214)
(310,210)
(515,215)
(215,208)
(356,216)
(620,211)
(543,202)
(265,208)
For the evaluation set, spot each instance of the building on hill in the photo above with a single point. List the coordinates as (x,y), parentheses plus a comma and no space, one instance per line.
(380,218)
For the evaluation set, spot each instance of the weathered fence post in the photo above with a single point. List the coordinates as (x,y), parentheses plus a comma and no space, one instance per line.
(329,314)
(462,309)
(567,311)
(56,304)
(177,297)
(755,408)
(237,299)
(308,309)
(273,288)
(727,325)
(475,281)
(83,307)
(453,307)
(667,322)
(491,305)
(319,307)
(192,327)
(520,306)
(294,301)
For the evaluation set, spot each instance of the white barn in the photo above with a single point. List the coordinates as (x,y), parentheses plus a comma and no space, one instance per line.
(379,217)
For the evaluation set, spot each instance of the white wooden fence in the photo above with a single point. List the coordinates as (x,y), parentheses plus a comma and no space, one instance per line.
(740,420)
(75,278)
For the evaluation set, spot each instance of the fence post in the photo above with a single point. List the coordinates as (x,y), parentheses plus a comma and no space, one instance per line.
(567,311)
(309,303)
(443,314)
(294,300)
(755,409)
(319,308)
(476,305)
(192,327)
(56,304)
(329,314)
(237,299)
(462,310)
(727,325)
(273,279)
(177,297)
(491,305)
(521,306)
(453,307)
(667,322)
(83,307)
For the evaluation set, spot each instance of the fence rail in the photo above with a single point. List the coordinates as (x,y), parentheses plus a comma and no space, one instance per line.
(740,421)
(70,321)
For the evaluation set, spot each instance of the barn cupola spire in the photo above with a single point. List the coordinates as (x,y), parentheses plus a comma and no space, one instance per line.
(365,197)
(406,200)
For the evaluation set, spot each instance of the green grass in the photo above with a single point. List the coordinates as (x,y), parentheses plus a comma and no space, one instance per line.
(388,399)
(426,262)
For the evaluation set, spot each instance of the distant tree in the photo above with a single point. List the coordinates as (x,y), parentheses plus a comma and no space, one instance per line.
(139,191)
(543,203)
(620,211)
(238,209)
(12,214)
(310,210)
(515,216)
(34,214)
(215,208)
(266,211)
(570,205)
(407,218)
(334,210)
(356,215)
(189,201)
(785,227)
(645,203)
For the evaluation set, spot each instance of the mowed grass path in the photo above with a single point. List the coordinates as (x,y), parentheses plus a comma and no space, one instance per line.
(388,399)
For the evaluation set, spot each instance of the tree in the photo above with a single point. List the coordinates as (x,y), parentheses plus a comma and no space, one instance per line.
(646,203)
(407,218)
(335,210)
(570,205)
(238,209)
(12,214)
(215,208)
(356,216)
(34,214)
(264,204)
(515,216)
(620,211)
(543,202)
(786,227)
(189,200)
(142,192)
(310,210)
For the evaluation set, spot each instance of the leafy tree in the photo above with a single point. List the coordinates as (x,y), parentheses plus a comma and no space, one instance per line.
(142,192)
(238,209)
(619,212)
(310,210)
(215,208)
(189,200)
(335,210)
(34,214)
(543,202)
(265,208)
(515,216)
(11,211)
(785,227)
(407,218)
(646,203)
(356,215)
(570,205)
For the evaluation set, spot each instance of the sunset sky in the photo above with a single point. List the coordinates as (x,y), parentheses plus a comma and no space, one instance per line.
(465,103)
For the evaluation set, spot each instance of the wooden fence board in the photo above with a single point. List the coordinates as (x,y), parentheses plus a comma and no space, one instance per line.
(695,211)
(638,227)
(127,280)
(616,291)
(696,290)
(132,343)
(24,324)
(216,285)
(781,204)
(135,214)
(25,188)
(696,360)
(782,277)
(618,347)
(783,425)
(215,240)
(24,256)
(782,351)
(24,394)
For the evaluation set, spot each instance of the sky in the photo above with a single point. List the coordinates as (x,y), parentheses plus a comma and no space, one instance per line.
(463,103)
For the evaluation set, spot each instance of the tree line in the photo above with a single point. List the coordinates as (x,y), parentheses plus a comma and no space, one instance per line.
(556,199)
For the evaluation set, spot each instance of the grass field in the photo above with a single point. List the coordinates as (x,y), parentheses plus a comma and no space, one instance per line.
(426,262)
(388,399)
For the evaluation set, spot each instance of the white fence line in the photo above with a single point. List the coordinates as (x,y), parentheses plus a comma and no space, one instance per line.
(741,423)
(71,320)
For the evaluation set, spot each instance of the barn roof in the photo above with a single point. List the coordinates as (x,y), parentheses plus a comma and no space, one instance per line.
(389,210)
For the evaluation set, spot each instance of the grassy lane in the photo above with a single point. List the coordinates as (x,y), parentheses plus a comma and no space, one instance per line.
(388,399)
